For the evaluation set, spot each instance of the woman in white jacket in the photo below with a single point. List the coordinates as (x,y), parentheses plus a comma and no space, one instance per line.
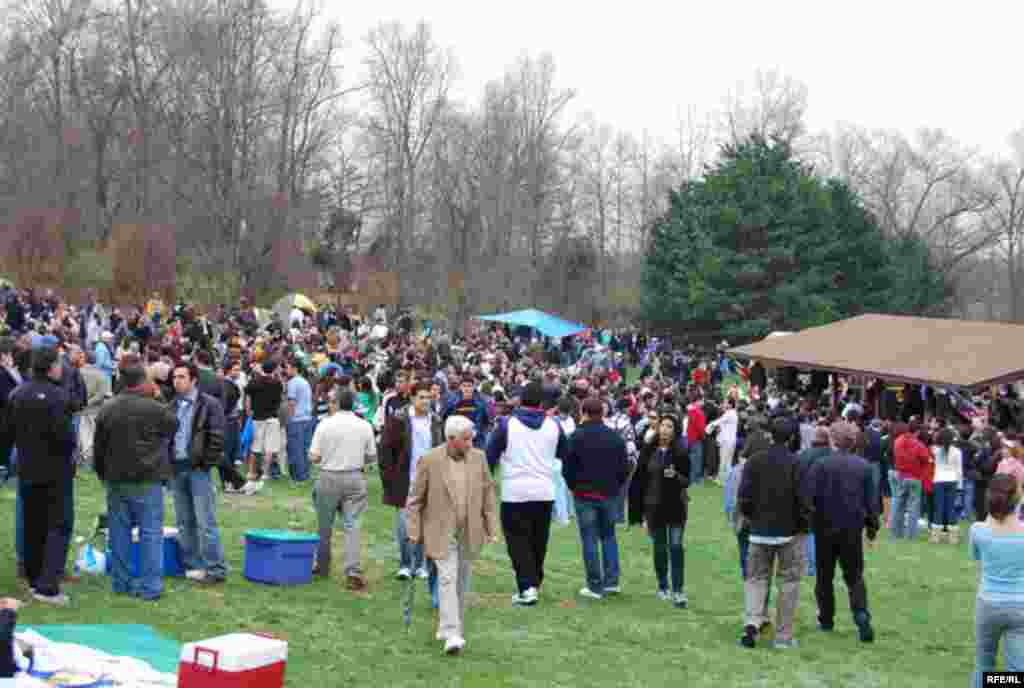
(949,473)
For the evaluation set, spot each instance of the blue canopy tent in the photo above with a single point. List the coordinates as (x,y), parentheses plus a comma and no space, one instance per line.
(548,325)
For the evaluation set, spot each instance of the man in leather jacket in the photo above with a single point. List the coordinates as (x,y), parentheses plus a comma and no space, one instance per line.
(130,456)
(198,445)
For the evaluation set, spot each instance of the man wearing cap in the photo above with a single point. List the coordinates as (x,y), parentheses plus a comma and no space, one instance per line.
(38,422)
(842,492)
(129,452)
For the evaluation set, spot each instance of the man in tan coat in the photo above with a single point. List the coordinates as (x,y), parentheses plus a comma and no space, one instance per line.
(453,511)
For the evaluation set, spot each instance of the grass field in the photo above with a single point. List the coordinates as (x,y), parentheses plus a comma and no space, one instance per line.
(922,598)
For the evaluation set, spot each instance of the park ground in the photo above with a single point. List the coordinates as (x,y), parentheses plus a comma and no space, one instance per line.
(922,598)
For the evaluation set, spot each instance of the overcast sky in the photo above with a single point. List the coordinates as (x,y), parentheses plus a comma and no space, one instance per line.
(898,64)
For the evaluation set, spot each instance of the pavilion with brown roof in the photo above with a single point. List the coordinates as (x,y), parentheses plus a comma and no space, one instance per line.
(901,349)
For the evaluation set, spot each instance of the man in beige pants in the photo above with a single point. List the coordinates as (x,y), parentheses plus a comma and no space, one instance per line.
(344,446)
(453,510)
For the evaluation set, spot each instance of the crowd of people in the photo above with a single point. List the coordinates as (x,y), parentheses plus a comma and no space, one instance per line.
(157,397)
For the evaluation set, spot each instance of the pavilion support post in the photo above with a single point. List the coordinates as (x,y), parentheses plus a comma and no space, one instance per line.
(835,395)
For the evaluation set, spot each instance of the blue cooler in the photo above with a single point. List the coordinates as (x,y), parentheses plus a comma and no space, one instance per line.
(280,557)
(173,565)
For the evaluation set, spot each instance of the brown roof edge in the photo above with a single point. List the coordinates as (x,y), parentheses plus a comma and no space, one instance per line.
(888,377)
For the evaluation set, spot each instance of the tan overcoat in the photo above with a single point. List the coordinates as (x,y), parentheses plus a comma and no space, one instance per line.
(430,511)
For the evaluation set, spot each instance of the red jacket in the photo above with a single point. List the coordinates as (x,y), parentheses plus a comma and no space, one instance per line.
(913,459)
(696,424)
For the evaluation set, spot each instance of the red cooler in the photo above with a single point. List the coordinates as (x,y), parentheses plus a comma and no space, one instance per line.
(238,660)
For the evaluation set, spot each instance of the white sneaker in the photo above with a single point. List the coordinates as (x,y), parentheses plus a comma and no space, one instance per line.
(664,595)
(422,573)
(196,575)
(404,574)
(58,600)
(251,487)
(587,592)
(613,590)
(454,646)
(680,600)
(528,597)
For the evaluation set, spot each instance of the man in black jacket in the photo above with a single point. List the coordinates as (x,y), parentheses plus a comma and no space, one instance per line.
(841,488)
(595,470)
(38,422)
(979,467)
(769,499)
(130,455)
(198,445)
(10,378)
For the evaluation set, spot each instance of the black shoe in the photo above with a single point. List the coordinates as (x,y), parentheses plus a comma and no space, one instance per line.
(867,634)
(749,639)
(826,627)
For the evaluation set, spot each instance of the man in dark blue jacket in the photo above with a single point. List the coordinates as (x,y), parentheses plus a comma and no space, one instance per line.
(844,504)
(38,422)
(595,470)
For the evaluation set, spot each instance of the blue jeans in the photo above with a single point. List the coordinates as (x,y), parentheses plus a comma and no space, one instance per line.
(812,569)
(435,592)
(968,511)
(145,511)
(19,512)
(906,504)
(945,504)
(995,622)
(596,519)
(410,556)
(195,506)
(300,437)
(668,545)
(876,482)
(76,425)
(697,463)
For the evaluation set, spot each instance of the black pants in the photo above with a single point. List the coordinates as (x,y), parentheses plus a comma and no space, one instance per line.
(711,458)
(229,475)
(46,535)
(527,526)
(980,503)
(847,548)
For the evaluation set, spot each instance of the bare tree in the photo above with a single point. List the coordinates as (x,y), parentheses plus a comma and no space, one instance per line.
(930,188)
(1007,218)
(773,107)
(408,83)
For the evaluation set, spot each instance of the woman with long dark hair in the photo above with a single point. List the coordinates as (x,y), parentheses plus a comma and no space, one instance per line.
(660,483)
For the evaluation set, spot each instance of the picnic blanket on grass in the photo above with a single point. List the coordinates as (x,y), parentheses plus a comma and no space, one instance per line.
(120,640)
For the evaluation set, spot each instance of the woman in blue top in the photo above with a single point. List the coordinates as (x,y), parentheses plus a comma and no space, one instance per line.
(998,543)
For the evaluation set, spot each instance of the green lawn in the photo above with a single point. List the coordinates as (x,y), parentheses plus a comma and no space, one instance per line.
(922,598)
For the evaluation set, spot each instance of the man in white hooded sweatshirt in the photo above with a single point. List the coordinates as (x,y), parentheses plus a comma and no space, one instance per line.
(527,444)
